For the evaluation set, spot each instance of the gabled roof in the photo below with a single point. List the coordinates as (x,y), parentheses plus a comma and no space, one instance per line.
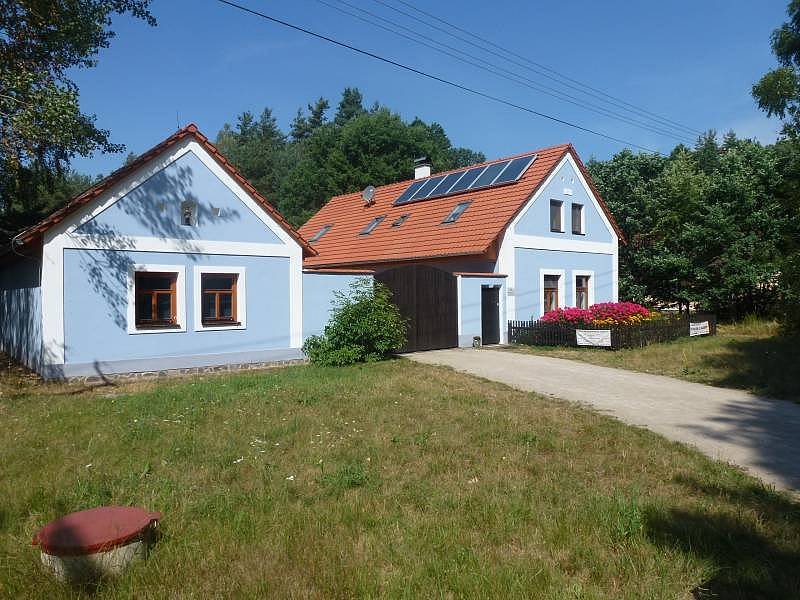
(33,235)
(422,235)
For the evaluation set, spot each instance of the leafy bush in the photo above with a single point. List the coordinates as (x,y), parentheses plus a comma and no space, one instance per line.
(364,327)
(604,313)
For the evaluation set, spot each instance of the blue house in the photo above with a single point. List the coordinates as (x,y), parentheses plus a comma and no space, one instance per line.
(465,251)
(176,262)
(172,262)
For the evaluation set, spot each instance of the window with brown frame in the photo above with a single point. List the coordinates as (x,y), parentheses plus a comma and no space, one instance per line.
(582,291)
(218,292)
(156,300)
(550,292)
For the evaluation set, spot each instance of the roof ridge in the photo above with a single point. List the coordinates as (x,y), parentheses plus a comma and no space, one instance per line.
(30,234)
(480,164)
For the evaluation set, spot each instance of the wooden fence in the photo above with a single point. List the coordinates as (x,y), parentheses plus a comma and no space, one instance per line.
(665,329)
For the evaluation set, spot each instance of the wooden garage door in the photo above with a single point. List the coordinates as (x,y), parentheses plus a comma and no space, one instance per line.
(428,298)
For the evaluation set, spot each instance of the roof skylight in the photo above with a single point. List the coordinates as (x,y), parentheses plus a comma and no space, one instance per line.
(457,211)
(400,220)
(372,225)
(320,233)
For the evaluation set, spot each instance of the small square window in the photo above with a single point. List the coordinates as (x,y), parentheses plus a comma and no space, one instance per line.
(372,225)
(457,211)
(577,219)
(556,210)
(188,213)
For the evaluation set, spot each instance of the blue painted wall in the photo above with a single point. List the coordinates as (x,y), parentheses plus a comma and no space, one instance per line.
(526,284)
(318,293)
(21,311)
(95,307)
(471,317)
(536,221)
(154,209)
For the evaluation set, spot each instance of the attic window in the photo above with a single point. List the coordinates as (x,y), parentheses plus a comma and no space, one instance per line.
(400,220)
(372,225)
(457,211)
(325,229)
(188,213)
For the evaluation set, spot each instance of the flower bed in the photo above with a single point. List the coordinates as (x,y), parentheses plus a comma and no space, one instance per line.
(632,325)
(605,313)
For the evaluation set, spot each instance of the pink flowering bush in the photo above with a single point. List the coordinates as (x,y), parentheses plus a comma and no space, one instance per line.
(605,313)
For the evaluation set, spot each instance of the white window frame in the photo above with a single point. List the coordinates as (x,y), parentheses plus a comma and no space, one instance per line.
(562,274)
(549,222)
(241,297)
(180,299)
(583,218)
(581,273)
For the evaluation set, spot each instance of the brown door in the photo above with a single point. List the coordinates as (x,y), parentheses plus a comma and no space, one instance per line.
(428,298)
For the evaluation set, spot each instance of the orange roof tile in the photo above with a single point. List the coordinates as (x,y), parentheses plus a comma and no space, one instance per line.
(34,233)
(422,235)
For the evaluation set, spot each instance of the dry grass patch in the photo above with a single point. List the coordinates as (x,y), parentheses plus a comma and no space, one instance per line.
(395,479)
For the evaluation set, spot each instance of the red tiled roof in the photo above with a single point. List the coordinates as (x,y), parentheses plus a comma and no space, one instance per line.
(34,234)
(422,235)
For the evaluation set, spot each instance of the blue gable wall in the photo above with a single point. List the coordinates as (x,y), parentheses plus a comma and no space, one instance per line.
(95,312)
(529,262)
(153,208)
(21,311)
(536,221)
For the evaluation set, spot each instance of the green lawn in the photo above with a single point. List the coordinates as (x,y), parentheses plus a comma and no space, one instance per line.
(752,356)
(395,479)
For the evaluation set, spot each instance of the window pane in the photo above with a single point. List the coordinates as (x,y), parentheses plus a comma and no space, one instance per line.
(217,282)
(580,299)
(226,306)
(144,307)
(154,282)
(163,307)
(555,215)
(551,282)
(577,214)
(209,306)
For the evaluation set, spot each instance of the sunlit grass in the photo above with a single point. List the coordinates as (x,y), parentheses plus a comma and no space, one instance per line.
(750,355)
(394,479)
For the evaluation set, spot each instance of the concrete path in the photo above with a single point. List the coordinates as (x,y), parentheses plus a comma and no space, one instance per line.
(760,434)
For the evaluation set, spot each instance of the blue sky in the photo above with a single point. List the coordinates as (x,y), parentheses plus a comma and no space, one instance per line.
(691,61)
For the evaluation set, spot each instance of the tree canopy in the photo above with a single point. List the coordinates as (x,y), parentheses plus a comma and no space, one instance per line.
(320,158)
(703,225)
(41,123)
(778,94)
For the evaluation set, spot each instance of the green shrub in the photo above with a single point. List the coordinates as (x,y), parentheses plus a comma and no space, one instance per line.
(364,327)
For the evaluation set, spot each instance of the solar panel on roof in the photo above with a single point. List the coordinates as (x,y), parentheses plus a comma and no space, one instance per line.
(410,190)
(472,178)
(514,170)
(446,184)
(489,175)
(426,189)
(467,179)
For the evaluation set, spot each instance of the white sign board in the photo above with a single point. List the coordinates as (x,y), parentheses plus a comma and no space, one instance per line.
(700,328)
(593,337)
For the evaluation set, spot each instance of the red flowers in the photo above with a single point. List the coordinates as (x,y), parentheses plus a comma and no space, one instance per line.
(605,313)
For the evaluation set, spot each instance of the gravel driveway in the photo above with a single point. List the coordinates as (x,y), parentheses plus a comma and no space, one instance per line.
(760,434)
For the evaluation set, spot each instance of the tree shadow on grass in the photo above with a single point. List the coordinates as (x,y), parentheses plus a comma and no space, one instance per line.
(754,546)
(766,366)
